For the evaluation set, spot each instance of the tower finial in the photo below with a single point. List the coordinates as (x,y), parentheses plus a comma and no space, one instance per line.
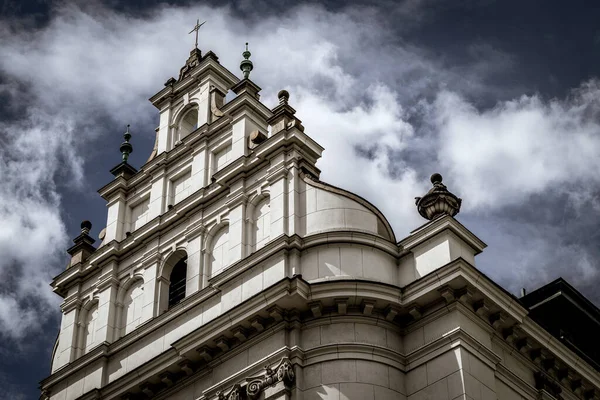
(246,65)
(126,147)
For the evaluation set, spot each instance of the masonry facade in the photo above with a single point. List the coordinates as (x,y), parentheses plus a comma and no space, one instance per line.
(228,270)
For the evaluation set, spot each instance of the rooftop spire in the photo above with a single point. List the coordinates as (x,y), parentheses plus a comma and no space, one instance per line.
(438,201)
(246,64)
(126,147)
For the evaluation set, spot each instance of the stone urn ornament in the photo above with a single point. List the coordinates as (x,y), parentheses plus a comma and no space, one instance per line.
(438,201)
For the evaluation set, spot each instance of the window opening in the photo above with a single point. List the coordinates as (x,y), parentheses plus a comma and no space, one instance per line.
(177,285)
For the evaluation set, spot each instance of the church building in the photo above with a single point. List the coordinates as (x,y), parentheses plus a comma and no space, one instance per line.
(228,270)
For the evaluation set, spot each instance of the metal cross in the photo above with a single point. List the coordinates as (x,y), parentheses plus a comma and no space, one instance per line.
(196,29)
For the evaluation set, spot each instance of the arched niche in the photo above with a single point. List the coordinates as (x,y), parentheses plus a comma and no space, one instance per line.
(172,279)
(261,223)
(218,251)
(132,305)
(188,122)
(88,324)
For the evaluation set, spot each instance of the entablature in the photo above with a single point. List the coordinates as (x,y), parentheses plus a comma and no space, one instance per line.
(458,285)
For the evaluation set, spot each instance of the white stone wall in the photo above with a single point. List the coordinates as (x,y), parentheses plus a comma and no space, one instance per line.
(456,374)
(339,260)
(133,303)
(352,380)
(323,211)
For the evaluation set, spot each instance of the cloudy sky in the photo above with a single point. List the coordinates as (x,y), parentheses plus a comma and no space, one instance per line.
(501,97)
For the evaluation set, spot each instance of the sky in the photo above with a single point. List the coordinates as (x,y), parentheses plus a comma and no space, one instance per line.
(500,97)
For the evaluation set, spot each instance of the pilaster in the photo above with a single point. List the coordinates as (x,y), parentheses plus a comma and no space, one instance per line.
(68,333)
(237,231)
(107,309)
(115,222)
(278,179)
(199,163)
(242,126)
(164,127)
(158,194)
(151,269)
(195,237)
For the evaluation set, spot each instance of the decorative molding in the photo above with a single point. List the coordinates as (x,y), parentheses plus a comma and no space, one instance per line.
(70,304)
(194,230)
(368,306)
(316,308)
(108,281)
(283,372)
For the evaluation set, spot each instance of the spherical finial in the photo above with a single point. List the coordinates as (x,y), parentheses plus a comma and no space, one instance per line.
(436,178)
(283,96)
(86,226)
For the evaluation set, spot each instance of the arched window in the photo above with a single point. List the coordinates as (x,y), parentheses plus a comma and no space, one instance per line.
(172,281)
(262,223)
(177,281)
(89,328)
(189,123)
(220,251)
(133,302)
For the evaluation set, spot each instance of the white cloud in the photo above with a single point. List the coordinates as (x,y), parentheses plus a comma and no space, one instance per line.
(353,87)
(520,147)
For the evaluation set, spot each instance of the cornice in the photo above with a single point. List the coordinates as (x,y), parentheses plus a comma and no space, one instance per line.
(108,281)
(353,237)
(329,289)
(515,382)
(245,100)
(282,242)
(70,304)
(437,226)
(303,143)
(561,351)
(194,230)
(97,353)
(473,277)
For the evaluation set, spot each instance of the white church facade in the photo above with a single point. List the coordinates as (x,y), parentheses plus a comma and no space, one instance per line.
(228,270)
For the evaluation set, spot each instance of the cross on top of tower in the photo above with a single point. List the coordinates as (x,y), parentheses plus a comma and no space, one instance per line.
(196,29)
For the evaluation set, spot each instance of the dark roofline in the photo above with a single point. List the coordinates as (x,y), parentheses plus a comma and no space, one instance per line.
(560,287)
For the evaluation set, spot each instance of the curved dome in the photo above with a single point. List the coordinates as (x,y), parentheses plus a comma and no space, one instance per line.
(329,208)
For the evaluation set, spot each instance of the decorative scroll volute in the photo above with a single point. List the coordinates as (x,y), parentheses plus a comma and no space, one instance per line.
(284,372)
(236,393)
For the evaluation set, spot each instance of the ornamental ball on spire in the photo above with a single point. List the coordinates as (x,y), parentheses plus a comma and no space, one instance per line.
(86,226)
(283,96)
(438,201)
(246,65)
(126,147)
